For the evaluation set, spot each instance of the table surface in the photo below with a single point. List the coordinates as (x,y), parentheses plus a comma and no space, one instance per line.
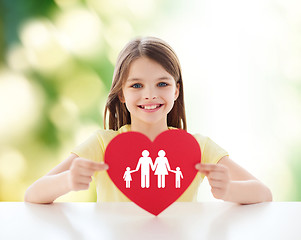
(210,220)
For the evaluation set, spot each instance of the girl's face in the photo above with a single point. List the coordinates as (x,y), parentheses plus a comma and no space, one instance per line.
(149,92)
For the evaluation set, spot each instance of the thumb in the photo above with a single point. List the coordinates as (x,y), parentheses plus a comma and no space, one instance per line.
(102,167)
(201,169)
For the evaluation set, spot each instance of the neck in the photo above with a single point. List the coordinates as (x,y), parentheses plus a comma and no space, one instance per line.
(150,130)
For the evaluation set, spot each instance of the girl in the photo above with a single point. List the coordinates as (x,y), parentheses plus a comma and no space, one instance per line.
(127,177)
(146,96)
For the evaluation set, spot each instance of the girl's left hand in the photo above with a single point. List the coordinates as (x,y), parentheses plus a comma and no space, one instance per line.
(218,177)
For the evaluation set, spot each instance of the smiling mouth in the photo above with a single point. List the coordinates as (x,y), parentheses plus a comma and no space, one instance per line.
(150,107)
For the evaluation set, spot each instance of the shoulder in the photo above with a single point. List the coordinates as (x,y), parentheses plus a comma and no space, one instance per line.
(197,136)
(206,142)
(211,151)
(200,138)
(107,135)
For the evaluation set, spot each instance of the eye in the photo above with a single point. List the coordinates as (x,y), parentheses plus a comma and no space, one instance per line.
(162,84)
(137,85)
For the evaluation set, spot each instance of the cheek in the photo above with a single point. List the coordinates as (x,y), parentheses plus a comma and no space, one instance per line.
(170,101)
(131,100)
(171,96)
(130,97)
(126,95)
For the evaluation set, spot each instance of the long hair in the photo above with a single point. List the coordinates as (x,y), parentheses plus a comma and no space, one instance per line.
(159,51)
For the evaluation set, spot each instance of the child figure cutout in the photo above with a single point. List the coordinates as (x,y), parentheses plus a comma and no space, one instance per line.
(179,175)
(127,177)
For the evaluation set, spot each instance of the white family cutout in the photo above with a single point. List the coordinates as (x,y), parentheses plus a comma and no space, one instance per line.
(160,167)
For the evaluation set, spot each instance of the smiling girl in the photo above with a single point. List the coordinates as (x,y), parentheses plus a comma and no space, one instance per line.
(146,96)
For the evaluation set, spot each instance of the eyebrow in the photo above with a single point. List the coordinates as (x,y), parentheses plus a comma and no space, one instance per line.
(139,79)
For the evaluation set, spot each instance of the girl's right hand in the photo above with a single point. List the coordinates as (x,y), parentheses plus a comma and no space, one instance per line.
(81,172)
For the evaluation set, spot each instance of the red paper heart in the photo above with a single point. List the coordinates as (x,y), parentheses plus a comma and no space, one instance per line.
(125,151)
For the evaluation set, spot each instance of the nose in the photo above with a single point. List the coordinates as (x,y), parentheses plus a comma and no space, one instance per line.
(149,93)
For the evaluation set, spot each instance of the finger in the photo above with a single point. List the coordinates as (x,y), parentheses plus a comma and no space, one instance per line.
(84,180)
(217,176)
(198,166)
(96,166)
(202,168)
(102,167)
(86,172)
(216,184)
(99,167)
(83,186)
(87,163)
(206,173)
(211,167)
(80,186)
(217,193)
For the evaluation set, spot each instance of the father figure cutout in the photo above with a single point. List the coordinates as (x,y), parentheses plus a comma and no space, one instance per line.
(145,162)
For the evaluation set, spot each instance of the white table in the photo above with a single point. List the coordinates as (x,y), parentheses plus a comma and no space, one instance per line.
(122,221)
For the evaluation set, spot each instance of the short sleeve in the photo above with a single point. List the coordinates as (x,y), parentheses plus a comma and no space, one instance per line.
(211,152)
(90,149)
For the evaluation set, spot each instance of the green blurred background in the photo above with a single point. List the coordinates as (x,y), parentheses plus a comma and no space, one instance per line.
(242,76)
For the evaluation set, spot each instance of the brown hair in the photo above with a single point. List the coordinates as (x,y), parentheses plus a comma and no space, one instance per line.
(159,51)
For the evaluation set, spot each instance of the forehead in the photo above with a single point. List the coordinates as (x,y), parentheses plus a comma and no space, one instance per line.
(143,67)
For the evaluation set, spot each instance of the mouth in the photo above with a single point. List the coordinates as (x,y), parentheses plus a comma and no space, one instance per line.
(150,107)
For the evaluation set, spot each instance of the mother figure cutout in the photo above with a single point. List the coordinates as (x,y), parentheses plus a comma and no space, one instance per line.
(162,167)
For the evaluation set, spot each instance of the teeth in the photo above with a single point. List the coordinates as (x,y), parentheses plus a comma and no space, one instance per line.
(150,107)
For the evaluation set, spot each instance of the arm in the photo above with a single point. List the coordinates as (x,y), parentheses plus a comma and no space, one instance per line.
(155,165)
(230,182)
(152,165)
(167,164)
(72,174)
(138,165)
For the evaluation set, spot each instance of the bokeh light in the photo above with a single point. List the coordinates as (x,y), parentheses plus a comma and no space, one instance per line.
(82,31)
(42,45)
(20,105)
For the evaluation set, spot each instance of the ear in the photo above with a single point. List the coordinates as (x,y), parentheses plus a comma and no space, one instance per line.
(177,93)
(121,97)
